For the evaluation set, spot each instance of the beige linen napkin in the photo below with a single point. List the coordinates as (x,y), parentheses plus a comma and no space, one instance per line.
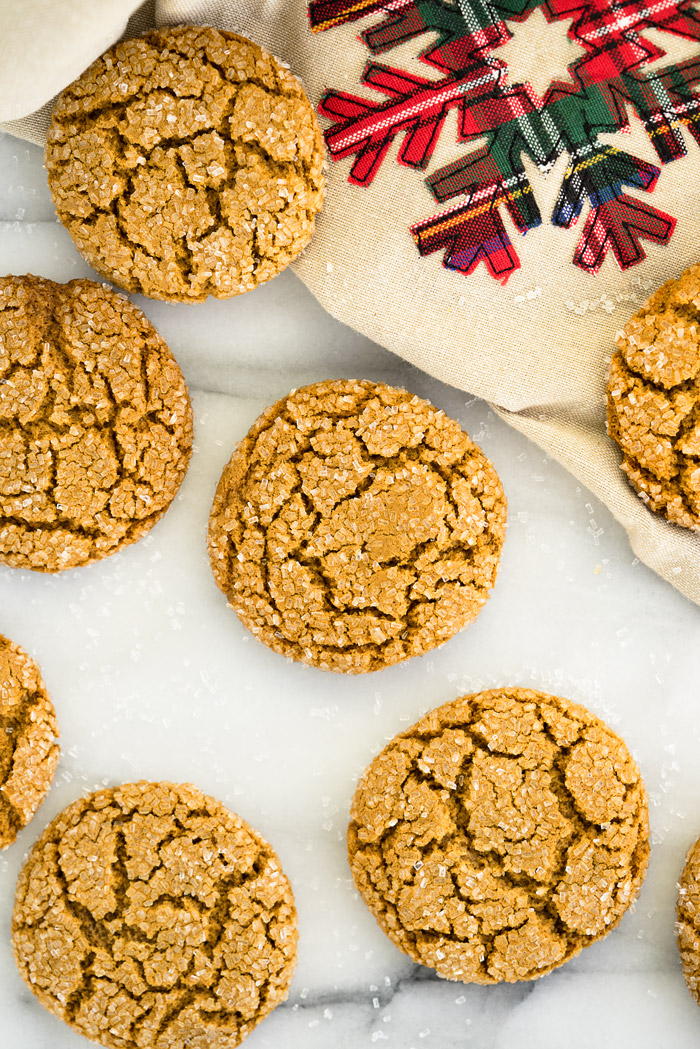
(537,346)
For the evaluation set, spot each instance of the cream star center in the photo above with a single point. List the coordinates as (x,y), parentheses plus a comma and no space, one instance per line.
(539,51)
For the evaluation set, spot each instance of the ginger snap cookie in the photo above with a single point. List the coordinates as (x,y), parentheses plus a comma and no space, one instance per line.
(356,525)
(96,430)
(29,750)
(186,163)
(149,916)
(499,835)
(654,400)
(688,920)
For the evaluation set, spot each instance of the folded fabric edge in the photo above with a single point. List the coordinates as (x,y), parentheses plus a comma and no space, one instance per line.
(594,460)
(33,127)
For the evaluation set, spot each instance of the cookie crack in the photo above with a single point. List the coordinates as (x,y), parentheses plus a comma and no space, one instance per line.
(651,479)
(75,1000)
(279,87)
(8,377)
(688,423)
(688,311)
(15,725)
(60,525)
(685,386)
(186,998)
(12,821)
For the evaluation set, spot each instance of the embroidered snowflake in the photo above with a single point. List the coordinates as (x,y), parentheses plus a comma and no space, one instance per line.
(602,85)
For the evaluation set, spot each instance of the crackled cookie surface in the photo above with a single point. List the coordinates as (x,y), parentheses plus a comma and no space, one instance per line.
(654,400)
(95,423)
(499,835)
(148,915)
(688,920)
(186,163)
(355,526)
(28,740)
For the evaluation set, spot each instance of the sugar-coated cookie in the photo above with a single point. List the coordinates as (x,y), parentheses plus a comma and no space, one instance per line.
(356,525)
(186,163)
(96,430)
(688,920)
(499,835)
(148,916)
(654,400)
(29,749)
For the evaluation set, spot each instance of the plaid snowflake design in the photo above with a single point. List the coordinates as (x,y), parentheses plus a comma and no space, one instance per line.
(606,81)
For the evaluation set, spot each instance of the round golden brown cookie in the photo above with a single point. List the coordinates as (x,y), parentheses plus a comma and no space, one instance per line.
(688,920)
(96,424)
(499,835)
(150,916)
(355,526)
(186,163)
(654,400)
(28,733)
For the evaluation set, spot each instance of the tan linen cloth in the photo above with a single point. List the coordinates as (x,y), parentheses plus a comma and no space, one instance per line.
(537,348)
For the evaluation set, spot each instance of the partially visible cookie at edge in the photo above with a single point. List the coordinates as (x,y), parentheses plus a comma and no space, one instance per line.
(499,835)
(29,750)
(688,920)
(148,916)
(186,163)
(96,431)
(355,526)
(654,400)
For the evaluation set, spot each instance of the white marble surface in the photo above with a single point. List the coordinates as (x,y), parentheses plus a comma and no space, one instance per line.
(152,676)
